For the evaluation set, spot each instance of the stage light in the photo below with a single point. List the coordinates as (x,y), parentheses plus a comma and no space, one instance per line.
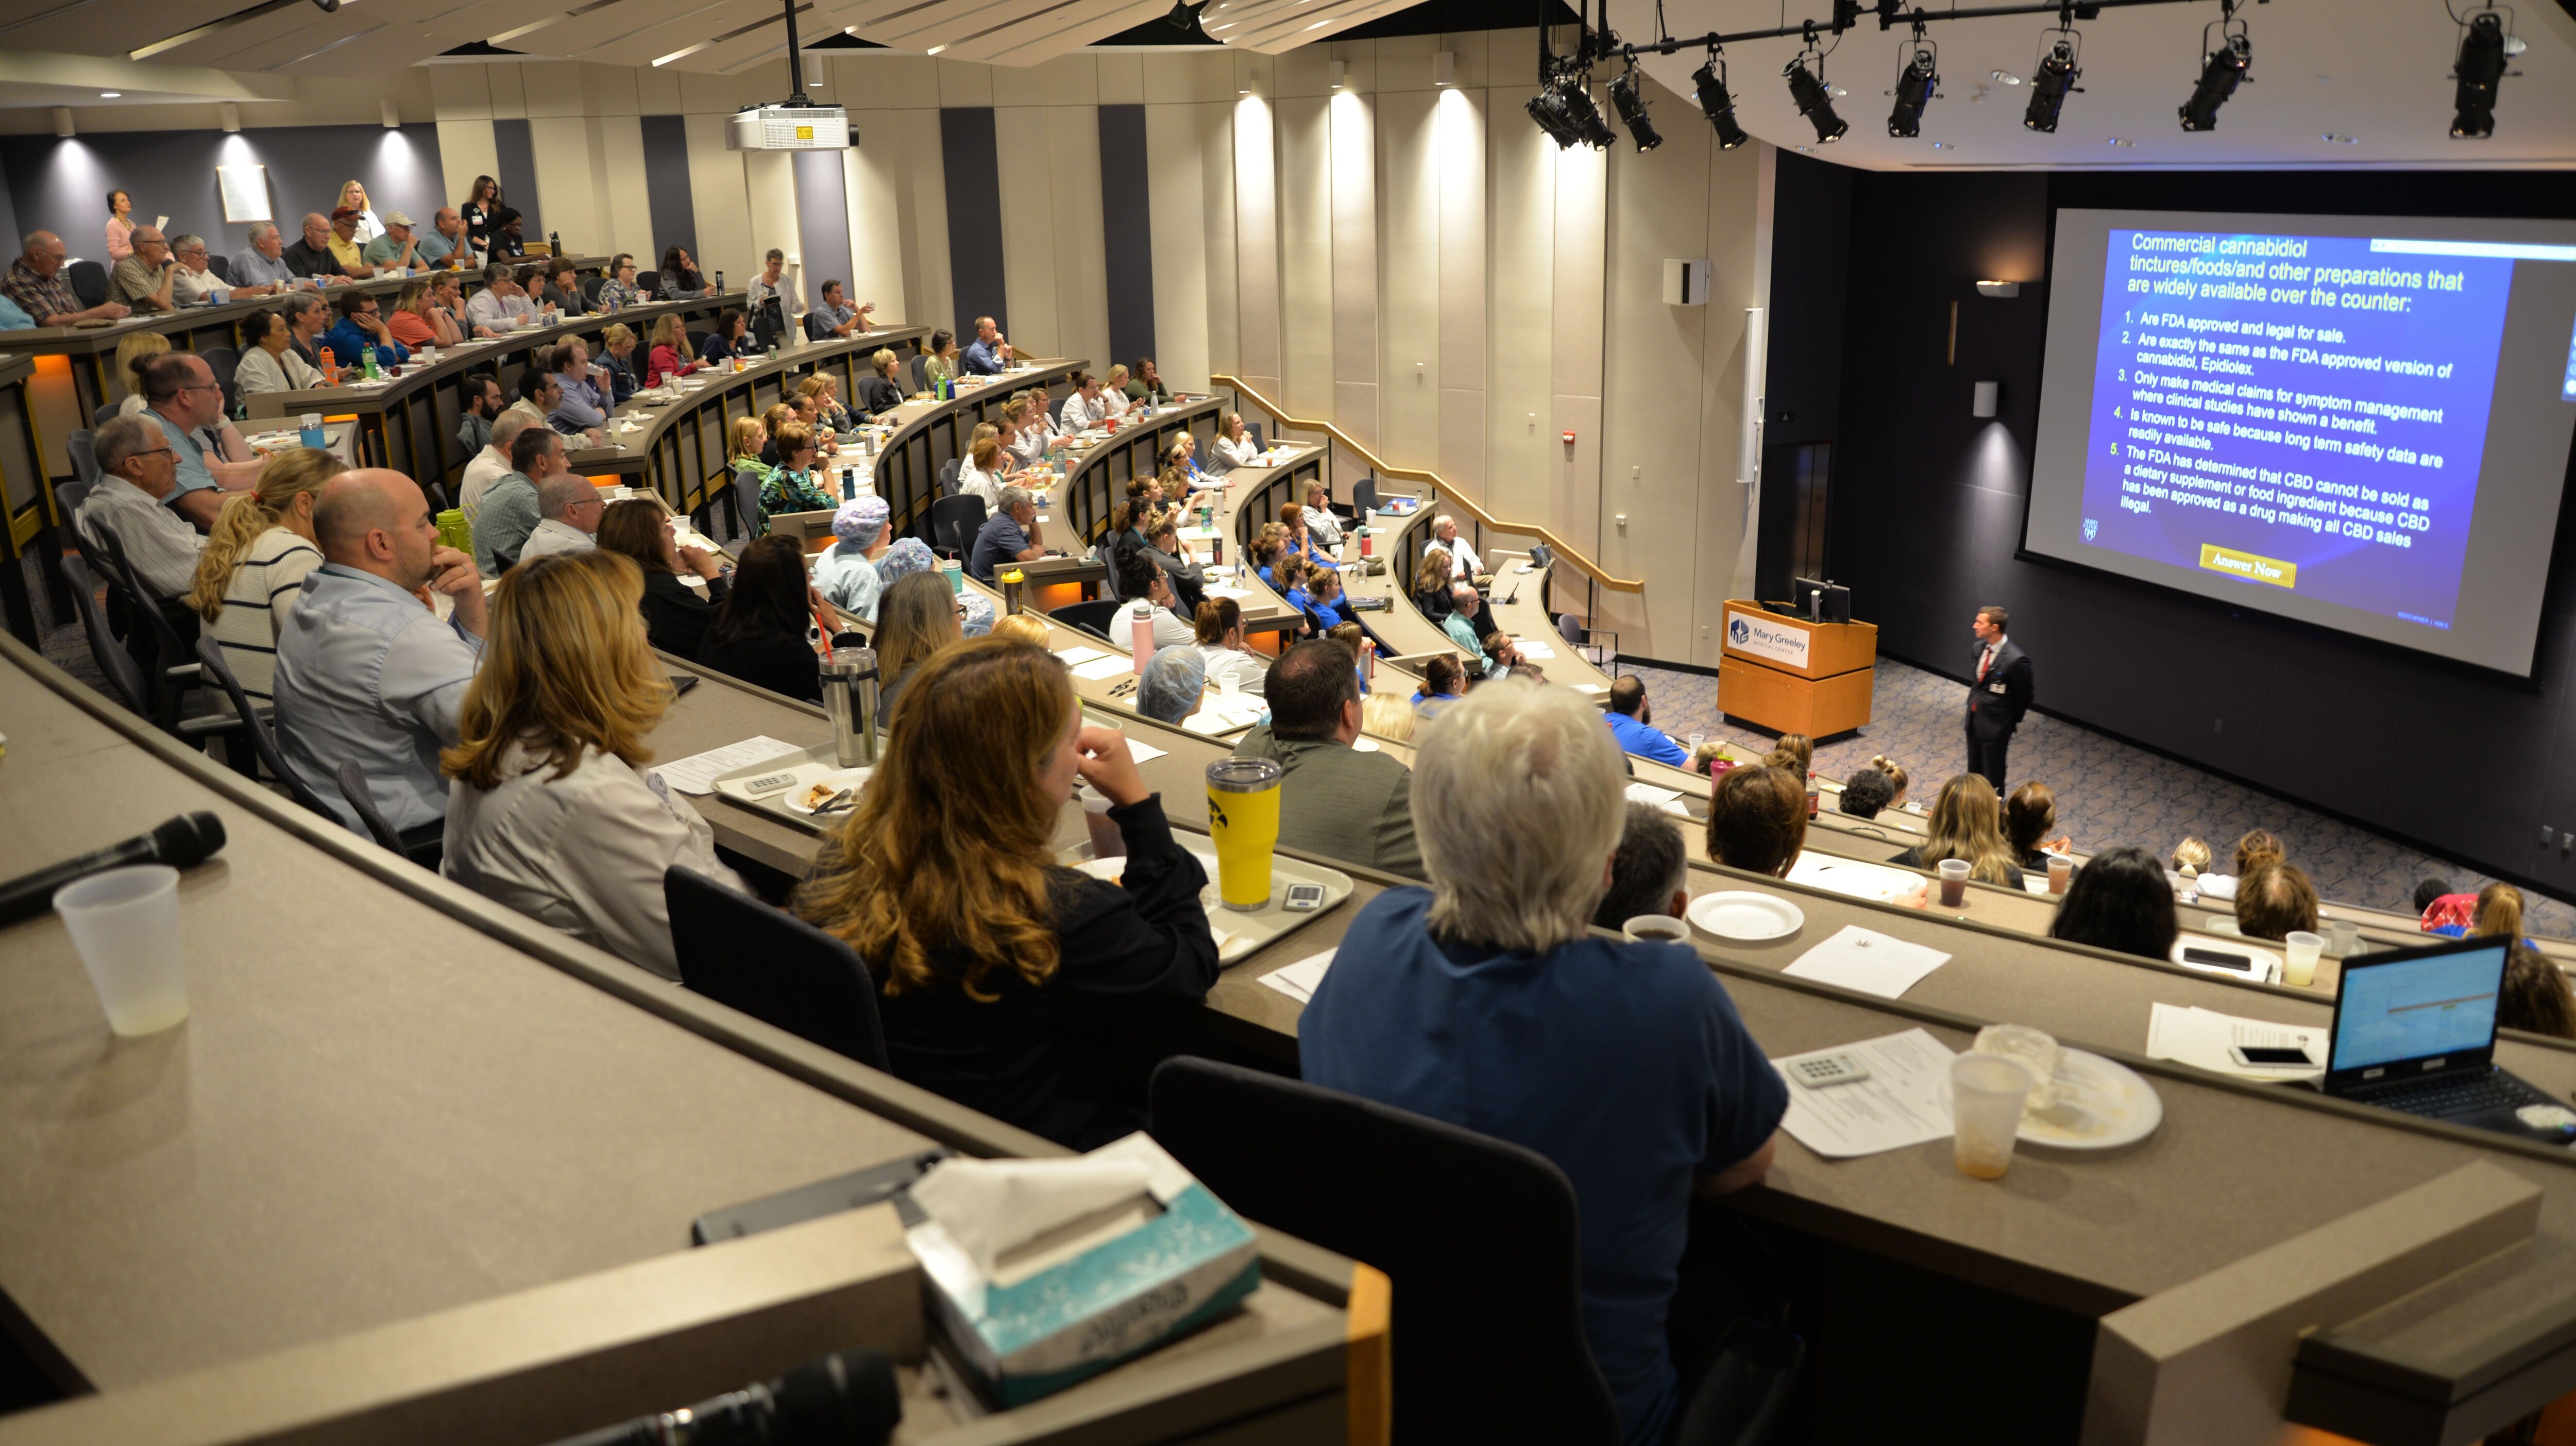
(1548,109)
(1813,103)
(1720,106)
(2479,68)
(2221,71)
(1589,125)
(2056,75)
(1631,105)
(1914,87)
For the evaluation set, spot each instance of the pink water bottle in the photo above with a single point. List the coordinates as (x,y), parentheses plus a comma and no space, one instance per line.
(1140,622)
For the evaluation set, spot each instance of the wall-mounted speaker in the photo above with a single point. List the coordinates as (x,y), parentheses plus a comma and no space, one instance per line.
(1685,282)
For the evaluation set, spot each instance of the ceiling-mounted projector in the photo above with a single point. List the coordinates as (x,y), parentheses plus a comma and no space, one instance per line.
(788,128)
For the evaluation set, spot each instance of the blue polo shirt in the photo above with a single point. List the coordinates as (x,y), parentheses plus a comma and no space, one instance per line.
(981,359)
(998,544)
(1646,740)
(1624,1063)
(349,342)
(194,475)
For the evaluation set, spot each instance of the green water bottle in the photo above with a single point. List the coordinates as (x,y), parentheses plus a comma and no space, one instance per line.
(373,374)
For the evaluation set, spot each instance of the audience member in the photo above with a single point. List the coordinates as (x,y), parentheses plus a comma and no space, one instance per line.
(511,510)
(1147,384)
(1797,753)
(196,281)
(1173,681)
(446,242)
(38,287)
(310,257)
(1029,628)
(183,399)
(2256,848)
(939,360)
(917,616)
(417,321)
(1465,565)
(568,508)
(135,351)
(1009,535)
(2191,861)
(360,331)
(2426,890)
(1334,800)
(561,288)
(766,297)
(825,394)
(2536,996)
(1650,872)
(483,402)
(792,485)
(346,246)
(988,354)
(1895,774)
(676,615)
(260,267)
(363,222)
(1327,606)
(1757,819)
(549,814)
(583,407)
(1084,407)
(671,355)
(253,568)
(2498,914)
(2273,899)
(839,317)
(1967,823)
(397,250)
(1460,625)
(1139,580)
(481,200)
(147,279)
(879,392)
(2119,901)
(492,463)
(1483,1002)
(731,338)
(1631,720)
(367,672)
(1389,716)
(1431,587)
(1444,682)
(681,279)
(120,225)
(1219,631)
(746,441)
(759,635)
(506,242)
(846,572)
(1113,391)
(1234,446)
(617,358)
(138,475)
(2028,816)
(501,305)
(307,317)
(1004,976)
(1321,522)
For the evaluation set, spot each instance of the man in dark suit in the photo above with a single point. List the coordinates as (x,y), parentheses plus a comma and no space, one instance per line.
(1999,692)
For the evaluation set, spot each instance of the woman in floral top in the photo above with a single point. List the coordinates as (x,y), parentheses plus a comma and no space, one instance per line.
(791,486)
(619,291)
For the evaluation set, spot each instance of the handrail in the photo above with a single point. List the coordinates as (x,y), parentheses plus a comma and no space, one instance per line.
(1565,553)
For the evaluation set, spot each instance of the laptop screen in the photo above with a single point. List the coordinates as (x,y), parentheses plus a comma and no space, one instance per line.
(2435,1005)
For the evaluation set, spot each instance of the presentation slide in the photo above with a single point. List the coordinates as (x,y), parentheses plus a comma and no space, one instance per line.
(2360,422)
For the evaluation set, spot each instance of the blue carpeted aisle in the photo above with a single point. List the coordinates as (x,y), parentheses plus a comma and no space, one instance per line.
(2108,793)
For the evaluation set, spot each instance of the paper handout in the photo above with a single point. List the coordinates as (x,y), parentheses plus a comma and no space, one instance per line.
(1868,961)
(1905,1101)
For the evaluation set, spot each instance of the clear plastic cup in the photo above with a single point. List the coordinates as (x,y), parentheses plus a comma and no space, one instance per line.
(1696,740)
(2346,936)
(1986,1096)
(2060,870)
(125,923)
(2299,950)
(1655,928)
(1954,883)
(1107,840)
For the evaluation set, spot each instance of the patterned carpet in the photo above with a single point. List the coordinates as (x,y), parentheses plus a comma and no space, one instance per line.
(2108,793)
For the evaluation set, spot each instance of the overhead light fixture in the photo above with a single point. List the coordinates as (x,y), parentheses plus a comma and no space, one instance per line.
(1548,109)
(1984,402)
(1574,94)
(1813,103)
(1444,68)
(1184,16)
(63,128)
(1336,70)
(1998,289)
(2005,77)
(1915,85)
(1631,104)
(230,115)
(110,94)
(2057,72)
(2480,66)
(392,114)
(2222,69)
(1719,106)
(2123,145)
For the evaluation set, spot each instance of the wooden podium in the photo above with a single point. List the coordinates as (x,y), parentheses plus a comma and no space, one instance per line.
(1793,676)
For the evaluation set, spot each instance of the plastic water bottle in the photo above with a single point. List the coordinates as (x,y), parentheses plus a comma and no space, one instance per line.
(1140,631)
(373,372)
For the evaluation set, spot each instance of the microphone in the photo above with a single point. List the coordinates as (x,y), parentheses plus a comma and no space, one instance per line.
(184,842)
(846,1398)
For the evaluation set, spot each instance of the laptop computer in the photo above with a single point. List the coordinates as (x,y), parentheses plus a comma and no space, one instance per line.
(2415,1030)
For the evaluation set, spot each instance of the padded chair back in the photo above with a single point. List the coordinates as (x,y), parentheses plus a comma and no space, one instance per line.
(815,330)
(1322,1166)
(649,282)
(89,282)
(1570,628)
(224,361)
(706,342)
(1105,552)
(70,496)
(263,733)
(954,521)
(1364,497)
(590,286)
(948,476)
(1253,430)
(84,456)
(222,267)
(124,675)
(1091,617)
(353,789)
(918,369)
(101,416)
(173,655)
(773,966)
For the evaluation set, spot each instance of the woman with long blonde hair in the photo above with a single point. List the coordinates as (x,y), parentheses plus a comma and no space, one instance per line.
(987,468)
(917,616)
(548,813)
(354,196)
(1004,975)
(1431,585)
(418,320)
(133,354)
(671,355)
(253,568)
(1967,823)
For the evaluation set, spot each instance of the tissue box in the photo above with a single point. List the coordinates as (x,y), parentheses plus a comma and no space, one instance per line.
(1111,1287)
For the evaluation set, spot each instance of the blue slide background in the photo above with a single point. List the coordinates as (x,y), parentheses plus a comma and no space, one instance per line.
(2199,435)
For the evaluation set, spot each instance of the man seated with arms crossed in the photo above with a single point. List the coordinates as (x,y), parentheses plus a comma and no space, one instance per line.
(260,267)
(511,507)
(1008,536)
(37,285)
(311,256)
(1465,565)
(138,470)
(1484,1002)
(366,668)
(181,395)
(571,510)
(987,354)
(148,278)
(1631,720)
(1334,800)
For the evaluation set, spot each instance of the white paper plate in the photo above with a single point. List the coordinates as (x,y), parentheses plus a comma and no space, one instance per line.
(2105,1105)
(836,780)
(1741,914)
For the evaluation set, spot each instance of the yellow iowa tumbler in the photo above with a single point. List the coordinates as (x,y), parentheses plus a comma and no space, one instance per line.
(1243,816)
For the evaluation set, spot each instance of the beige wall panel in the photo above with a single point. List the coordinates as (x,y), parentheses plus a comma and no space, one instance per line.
(1520,246)
(1029,241)
(879,80)
(1256,243)
(1216,219)
(552,88)
(966,82)
(904,193)
(1462,436)
(567,188)
(769,183)
(1474,64)
(720,198)
(1404,63)
(611,90)
(1354,410)
(1739,230)
(1458,159)
(1077,247)
(509,92)
(1303,73)
(630,203)
(1066,80)
(1305,255)
(1410,262)
(1352,120)
(1575,342)
(1121,78)
(459,92)
(466,149)
(1176,194)
(657,92)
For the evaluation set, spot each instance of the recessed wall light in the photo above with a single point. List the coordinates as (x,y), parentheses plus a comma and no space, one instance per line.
(109,94)
(2124,145)
(1943,146)
(2007,77)
(2341,140)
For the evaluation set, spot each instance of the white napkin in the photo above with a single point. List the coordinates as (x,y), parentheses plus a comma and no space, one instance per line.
(990,1206)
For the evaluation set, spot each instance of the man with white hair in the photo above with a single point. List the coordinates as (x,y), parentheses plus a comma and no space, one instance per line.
(37,286)
(148,277)
(1464,564)
(492,463)
(138,470)
(1485,1002)
(1334,800)
(367,671)
(260,267)
(1009,535)
(195,279)
(569,510)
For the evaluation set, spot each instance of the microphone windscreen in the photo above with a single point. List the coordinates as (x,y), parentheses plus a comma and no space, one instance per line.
(189,840)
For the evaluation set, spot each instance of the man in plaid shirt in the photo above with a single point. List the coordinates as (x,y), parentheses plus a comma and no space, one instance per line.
(37,284)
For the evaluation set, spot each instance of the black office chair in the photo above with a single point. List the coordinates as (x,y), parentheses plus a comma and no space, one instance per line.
(948,477)
(1253,430)
(773,966)
(70,496)
(1105,552)
(258,730)
(425,850)
(173,642)
(89,282)
(650,283)
(1092,617)
(221,266)
(590,286)
(101,416)
(84,456)
(1364,497)
(706,342)
(815,329)
(1322,1166)
(917,367)
(224,361)
(124,675)
(954,521)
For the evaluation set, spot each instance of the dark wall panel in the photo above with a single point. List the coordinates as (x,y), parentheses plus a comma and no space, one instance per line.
(971,162)
(1127,233)
(674,205)
(1928,508)
(1802,379)
(822,221)
(517,173)
(61,185)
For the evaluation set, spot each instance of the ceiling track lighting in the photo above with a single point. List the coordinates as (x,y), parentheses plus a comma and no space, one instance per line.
(1813,103)
(2061,64)
(2222,69)
(1917,81)
(1717,103)
(2486,42)
(1630,102)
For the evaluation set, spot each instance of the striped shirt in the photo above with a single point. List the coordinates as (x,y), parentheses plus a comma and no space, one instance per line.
(263,590)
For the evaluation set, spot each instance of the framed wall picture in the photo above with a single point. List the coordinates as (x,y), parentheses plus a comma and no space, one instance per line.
(245,190)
